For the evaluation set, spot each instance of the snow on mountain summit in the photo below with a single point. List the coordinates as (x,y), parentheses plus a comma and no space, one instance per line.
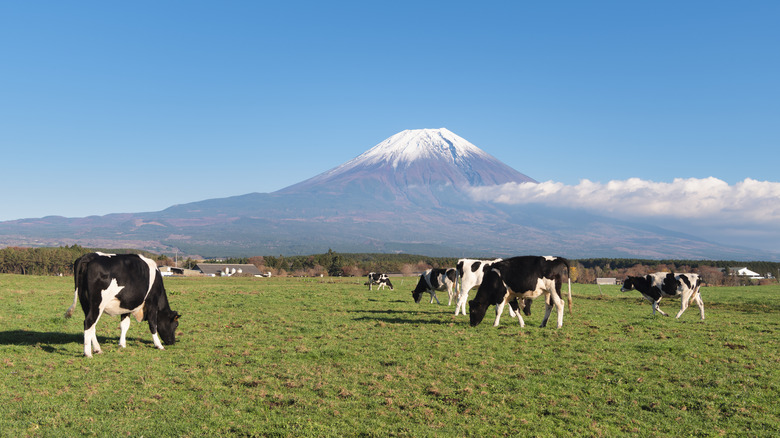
(414,144)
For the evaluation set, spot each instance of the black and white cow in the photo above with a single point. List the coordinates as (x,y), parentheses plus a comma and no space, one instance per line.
(470,273)
(122,285)
(433,280)
(653,287)
(525,277)
(381,280)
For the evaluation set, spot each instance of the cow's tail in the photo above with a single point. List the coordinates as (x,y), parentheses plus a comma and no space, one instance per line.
(69,312)
(79,274)
(568,276)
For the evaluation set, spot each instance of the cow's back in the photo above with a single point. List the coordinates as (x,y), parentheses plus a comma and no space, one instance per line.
(519,273)
(133,273)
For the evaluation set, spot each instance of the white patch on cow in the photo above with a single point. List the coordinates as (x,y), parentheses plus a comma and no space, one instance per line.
(542,285)
(104,254)
(550,258)
(109,303)
(152,272)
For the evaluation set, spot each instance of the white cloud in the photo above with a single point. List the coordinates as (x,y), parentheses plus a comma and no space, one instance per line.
(710,200)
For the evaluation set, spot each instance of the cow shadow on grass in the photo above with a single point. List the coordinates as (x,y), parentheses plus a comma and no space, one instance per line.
(394,312)
(28,337)
(400,316)
(400,320)
(51,342)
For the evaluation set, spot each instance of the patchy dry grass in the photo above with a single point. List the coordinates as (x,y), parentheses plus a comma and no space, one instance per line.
(325,357)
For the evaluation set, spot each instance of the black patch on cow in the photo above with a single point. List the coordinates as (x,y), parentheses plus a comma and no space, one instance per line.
(669,285)
(687,281)
(475,266)
(434,279)
(451,275)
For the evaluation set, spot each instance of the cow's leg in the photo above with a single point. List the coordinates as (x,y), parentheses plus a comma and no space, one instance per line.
(558,302)
(124,325)
(547,310)
(699,302)
(652,302)
(499,311)
(656,306)
(434,297)
(686,296)
(516,312)
(90,335)
(553,299)
(520,319)
(156,340)
(463,297)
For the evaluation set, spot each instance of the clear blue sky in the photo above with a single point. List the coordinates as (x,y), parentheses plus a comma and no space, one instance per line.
(109,107)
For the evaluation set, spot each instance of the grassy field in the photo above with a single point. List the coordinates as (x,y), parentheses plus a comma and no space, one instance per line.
(326,357)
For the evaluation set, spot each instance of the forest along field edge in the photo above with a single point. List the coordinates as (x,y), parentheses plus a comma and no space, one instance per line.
(326,357)
(59,261)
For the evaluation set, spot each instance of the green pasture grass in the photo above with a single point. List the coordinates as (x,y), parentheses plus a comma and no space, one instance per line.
(326,357)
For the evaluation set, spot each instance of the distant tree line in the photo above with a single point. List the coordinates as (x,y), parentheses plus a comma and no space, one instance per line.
(52,261)
(59,261)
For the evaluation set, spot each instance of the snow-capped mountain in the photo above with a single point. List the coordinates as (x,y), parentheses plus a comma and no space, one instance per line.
(407,193)
(414,161)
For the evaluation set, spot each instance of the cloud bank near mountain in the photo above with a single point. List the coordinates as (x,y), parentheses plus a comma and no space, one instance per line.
(746,213)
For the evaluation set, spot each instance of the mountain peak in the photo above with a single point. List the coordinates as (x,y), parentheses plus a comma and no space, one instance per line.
(415,160)
(415,144)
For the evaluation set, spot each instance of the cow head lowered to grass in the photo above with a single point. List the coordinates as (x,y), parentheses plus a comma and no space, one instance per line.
(122,285)
(435,279)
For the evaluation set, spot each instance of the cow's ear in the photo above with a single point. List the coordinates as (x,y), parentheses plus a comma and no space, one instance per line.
(176,316)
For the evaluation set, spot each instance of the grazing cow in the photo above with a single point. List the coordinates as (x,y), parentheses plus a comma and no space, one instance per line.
(381,280)
(524,277)
(122,285)
(653,287)
(433,280)
(470,273)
